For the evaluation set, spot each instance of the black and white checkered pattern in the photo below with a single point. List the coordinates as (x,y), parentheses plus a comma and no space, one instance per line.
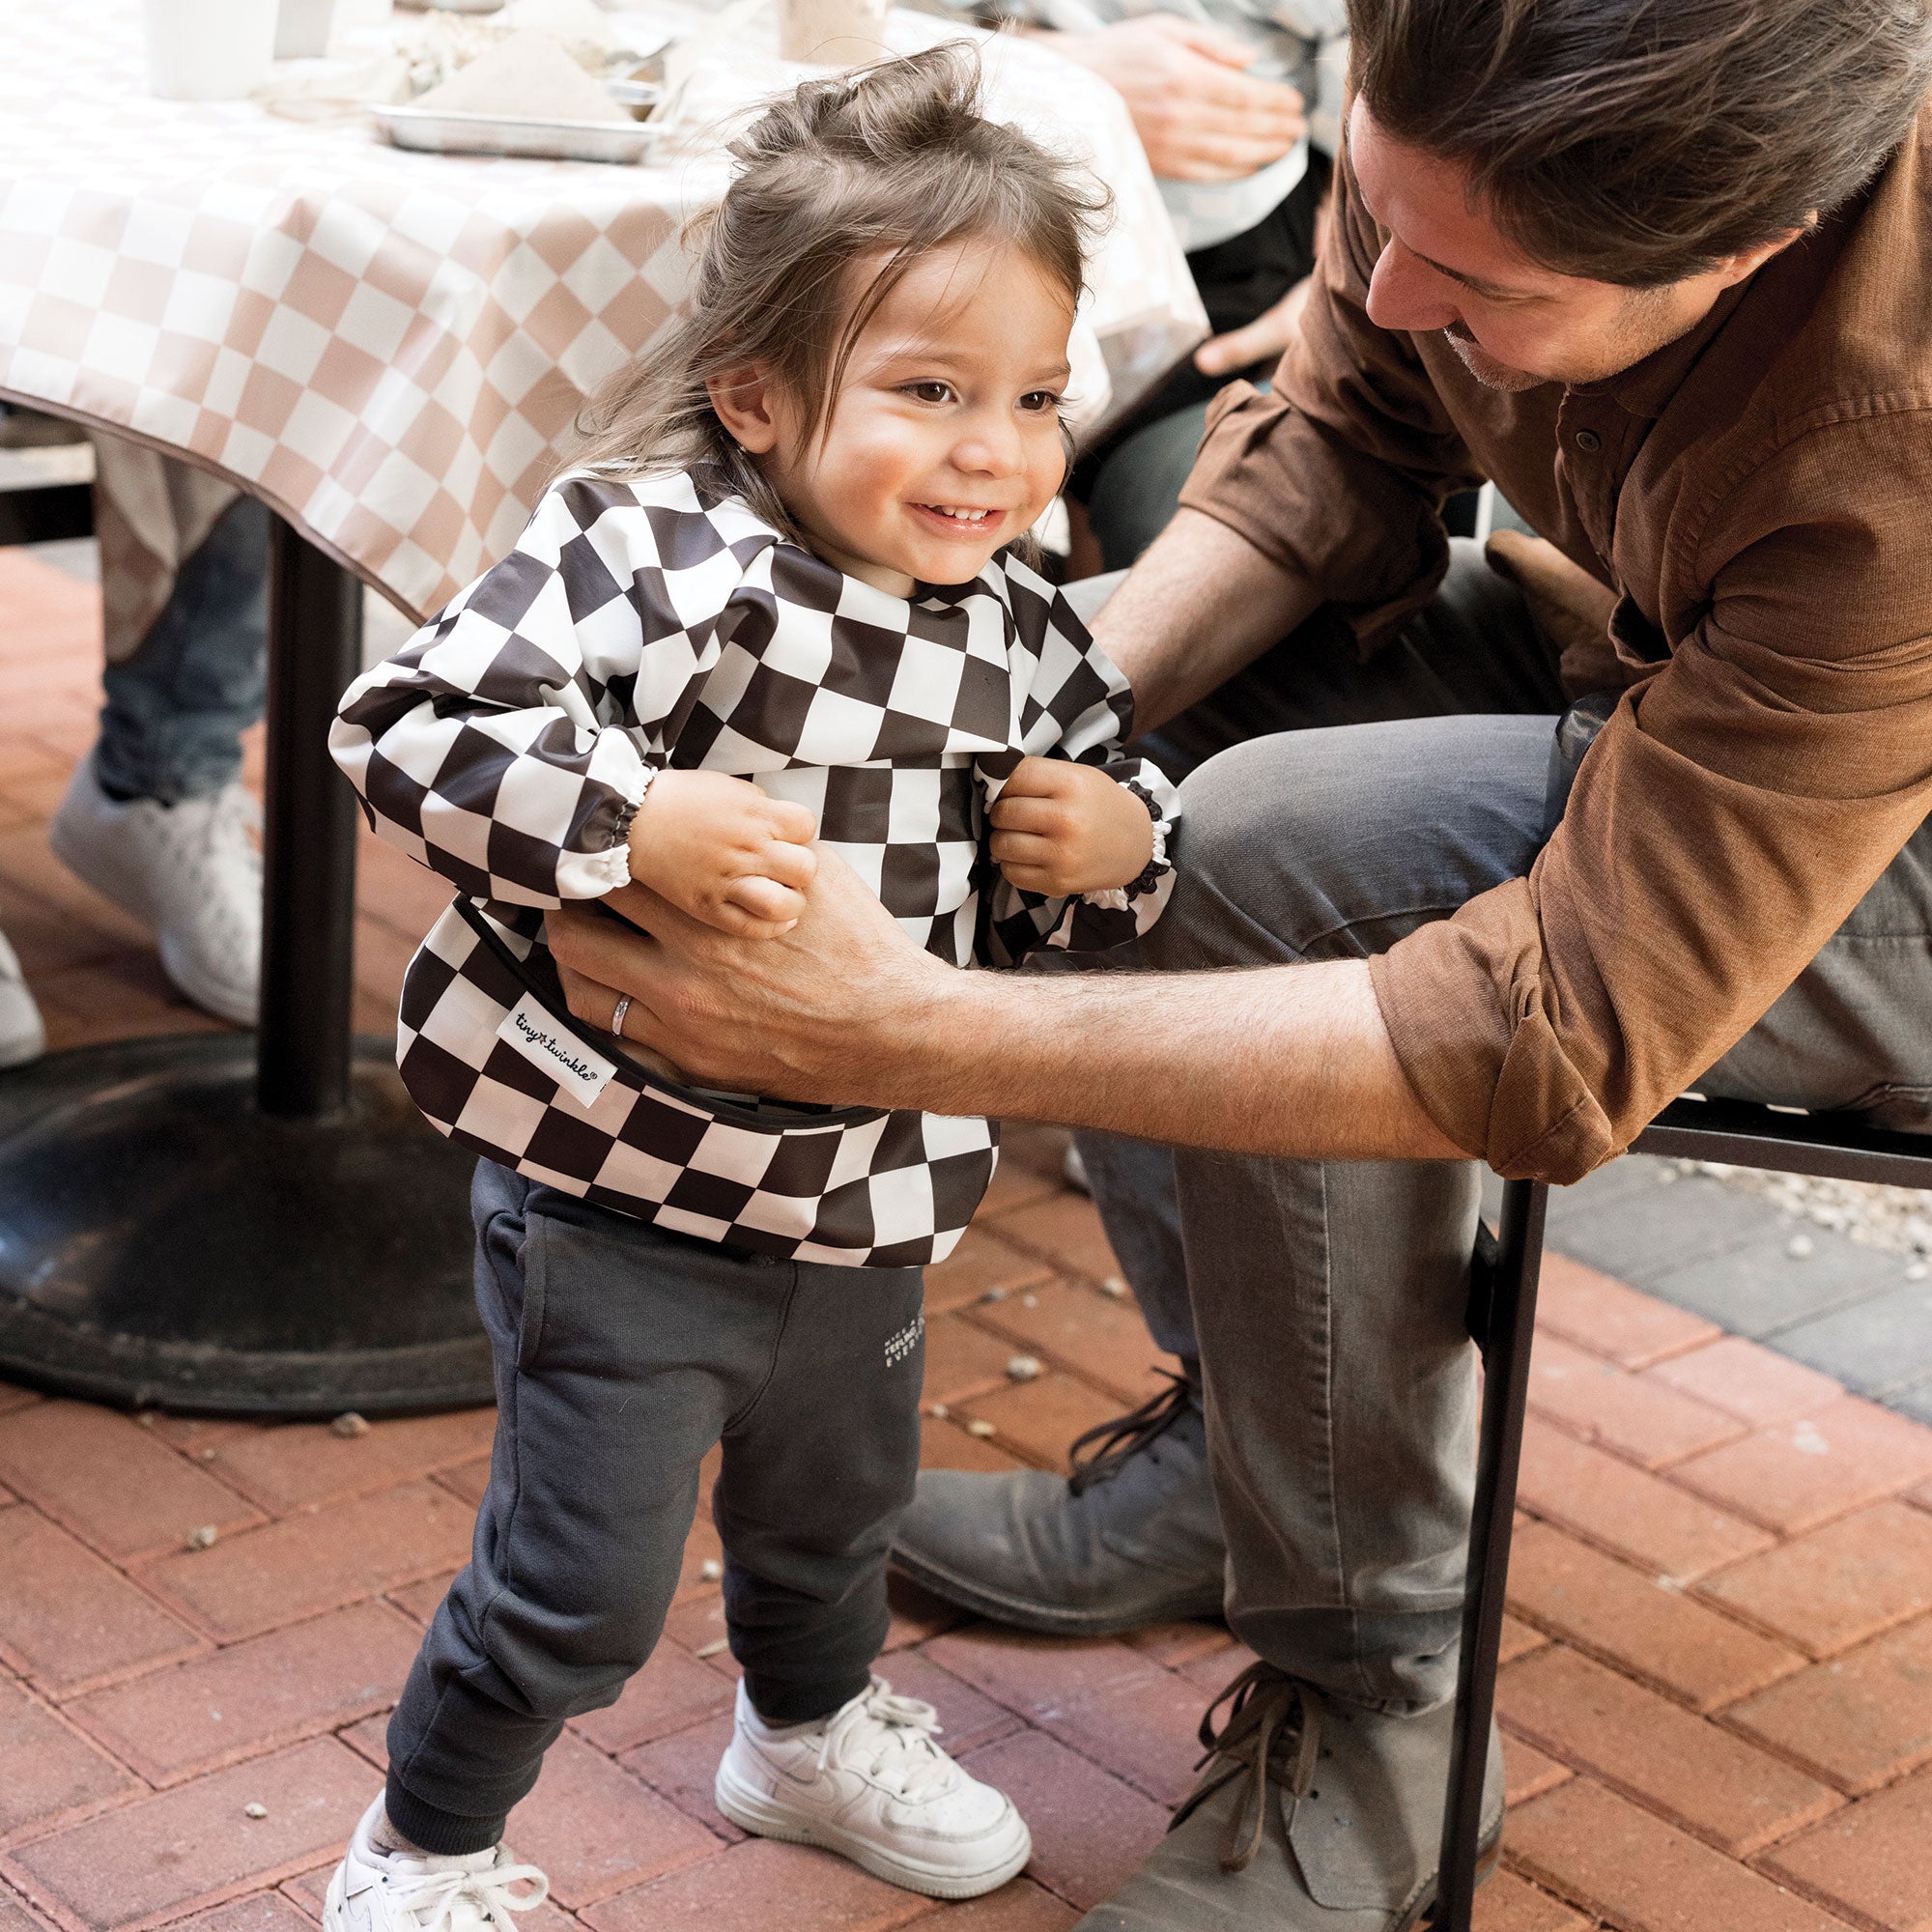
(649,623)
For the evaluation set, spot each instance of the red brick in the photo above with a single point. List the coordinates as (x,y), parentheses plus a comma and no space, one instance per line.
(12,1397)
(1838,1585)
(1213,1674)
(1511,1904)
(1707,1781)
(420,1601)
(1529,1772)
(916,1614)
(1519,1640)
(1090,1829)
(594,1829)
(757,1886)
(303,1463)
(1065,1232)
(1871,1860)
(1020,1906)
(1146,1731)
(1637,1418)
(1626,1510)
(703,1561)
(1032,1164)
(1633,1621)
(1084,1330)
(1612,1321)
(978,1262)
(68,1620)
(1035,1675)
(110,1482)
(193,1433)
(15,1916)
(252,1697)
(262,1911)
(1170,1645)
(1805,1473)
(960,1358)
(165,1855)
(671,1693)
(698,1624)
(46,1770)
(943,1445)
(1622,1864)
(307,1563)
(468,1480)
(683,1766)
(1040,1419)
(1860,1719)
(1756,1384)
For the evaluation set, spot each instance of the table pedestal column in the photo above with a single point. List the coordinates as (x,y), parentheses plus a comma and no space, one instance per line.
(217,1224)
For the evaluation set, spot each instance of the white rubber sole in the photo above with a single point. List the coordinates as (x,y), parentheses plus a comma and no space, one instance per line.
(753,1812)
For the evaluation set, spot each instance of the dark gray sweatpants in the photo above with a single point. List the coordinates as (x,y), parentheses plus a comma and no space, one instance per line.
(623,1353)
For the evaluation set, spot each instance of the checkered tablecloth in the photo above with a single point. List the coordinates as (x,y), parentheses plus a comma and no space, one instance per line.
(388,346)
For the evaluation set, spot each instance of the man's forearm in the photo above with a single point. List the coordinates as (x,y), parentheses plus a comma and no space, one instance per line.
(1290,1061)
(1202,604)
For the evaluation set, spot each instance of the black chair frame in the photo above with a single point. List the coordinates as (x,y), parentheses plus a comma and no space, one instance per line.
(1502,1320)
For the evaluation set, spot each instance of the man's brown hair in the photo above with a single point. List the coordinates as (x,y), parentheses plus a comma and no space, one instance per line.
(1641,141)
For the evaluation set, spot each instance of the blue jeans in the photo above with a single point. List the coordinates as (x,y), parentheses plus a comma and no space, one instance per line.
(174,711)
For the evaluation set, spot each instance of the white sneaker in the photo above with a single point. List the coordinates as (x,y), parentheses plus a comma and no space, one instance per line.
(22,1036)
(869,1782)
(376,1891)
(191,871)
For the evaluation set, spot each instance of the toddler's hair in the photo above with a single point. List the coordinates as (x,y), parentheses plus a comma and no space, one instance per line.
(894,161)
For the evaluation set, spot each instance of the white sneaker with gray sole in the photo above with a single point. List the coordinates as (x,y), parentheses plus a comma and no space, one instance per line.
(22,1035)
(376,1892)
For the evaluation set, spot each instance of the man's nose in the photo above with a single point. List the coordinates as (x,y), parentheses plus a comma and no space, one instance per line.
(1405,293)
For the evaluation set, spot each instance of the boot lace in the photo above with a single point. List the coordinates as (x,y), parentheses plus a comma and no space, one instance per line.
(889,1740)
(1272,1736)
(458,1901)
(1107,1448)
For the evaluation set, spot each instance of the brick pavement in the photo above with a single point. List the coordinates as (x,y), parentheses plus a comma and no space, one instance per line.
(1717,1694)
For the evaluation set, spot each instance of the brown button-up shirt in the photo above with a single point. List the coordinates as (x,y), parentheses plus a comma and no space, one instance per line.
(1759,496)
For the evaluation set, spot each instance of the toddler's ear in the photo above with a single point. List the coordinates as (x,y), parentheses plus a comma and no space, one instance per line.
(744,398)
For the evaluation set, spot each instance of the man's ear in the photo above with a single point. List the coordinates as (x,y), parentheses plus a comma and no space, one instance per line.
(1752,260)
(744,399)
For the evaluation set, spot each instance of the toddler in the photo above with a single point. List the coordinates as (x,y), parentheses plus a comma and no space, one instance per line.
(777,599)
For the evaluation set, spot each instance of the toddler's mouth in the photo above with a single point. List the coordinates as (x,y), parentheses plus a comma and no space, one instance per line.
(959,516)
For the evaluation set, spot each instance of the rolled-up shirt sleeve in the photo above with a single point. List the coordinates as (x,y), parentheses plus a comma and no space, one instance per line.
(1338,473)
(1737,805)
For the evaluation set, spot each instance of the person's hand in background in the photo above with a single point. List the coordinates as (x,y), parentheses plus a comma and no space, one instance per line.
(1198,116)
(1262,340)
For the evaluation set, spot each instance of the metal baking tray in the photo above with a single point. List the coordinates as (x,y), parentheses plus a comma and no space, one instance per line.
(431,130)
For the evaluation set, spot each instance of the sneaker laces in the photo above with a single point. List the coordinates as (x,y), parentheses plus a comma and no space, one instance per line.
(436,1898)
(1108,1447)
(890,1738)
(1270,1714)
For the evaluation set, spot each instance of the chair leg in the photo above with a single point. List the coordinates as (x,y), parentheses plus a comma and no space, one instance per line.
(1509,1325)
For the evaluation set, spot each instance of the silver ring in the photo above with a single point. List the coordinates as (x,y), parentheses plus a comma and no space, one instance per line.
(618,1017)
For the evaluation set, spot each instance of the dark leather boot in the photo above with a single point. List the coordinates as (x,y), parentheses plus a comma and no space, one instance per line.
(1131,1538)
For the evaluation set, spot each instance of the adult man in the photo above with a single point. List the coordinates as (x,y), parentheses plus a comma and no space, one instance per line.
(1659,272)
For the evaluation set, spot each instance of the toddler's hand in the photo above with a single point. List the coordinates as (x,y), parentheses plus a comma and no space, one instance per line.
(1061,828)
(719,849)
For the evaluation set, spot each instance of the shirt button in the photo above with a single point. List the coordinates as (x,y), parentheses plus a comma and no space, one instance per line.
(1589,442)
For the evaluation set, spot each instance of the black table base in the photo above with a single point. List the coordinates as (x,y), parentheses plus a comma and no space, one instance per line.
(213,1224)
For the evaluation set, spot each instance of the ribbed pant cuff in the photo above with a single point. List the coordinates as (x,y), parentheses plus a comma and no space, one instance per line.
(446,1834)
(780,1702)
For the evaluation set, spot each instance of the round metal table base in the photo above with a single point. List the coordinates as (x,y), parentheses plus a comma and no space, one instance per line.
(163,1242)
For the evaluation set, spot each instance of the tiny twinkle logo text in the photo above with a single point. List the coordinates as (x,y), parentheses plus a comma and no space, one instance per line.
(578,1070)
(901,1344)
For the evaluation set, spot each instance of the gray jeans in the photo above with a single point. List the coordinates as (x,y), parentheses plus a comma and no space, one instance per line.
(1325,1300)
(624,1354)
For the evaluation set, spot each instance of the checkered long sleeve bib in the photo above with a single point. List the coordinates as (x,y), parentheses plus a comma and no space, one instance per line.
(653,623)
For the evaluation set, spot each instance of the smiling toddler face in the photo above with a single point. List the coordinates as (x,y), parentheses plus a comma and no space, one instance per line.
(943,441)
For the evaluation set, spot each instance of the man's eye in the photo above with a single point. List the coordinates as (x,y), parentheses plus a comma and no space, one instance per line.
(931,393)
(1036,402)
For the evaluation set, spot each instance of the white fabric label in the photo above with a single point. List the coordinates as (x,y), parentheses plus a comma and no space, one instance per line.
(578,1070)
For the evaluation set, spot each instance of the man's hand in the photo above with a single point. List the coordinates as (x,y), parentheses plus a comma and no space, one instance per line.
(1263,340)
(717,848)
(1199,117)
(1061,828)
(812,1014)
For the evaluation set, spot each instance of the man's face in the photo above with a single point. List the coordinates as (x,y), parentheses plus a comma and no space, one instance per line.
(1514,322)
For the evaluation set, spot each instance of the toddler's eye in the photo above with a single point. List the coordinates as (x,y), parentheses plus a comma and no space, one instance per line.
(931,393)
(1037,401)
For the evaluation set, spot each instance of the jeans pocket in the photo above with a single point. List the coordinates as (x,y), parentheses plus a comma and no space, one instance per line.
(536,1282)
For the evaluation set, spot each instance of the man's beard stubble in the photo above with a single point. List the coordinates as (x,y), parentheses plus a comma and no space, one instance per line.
(1487,370)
